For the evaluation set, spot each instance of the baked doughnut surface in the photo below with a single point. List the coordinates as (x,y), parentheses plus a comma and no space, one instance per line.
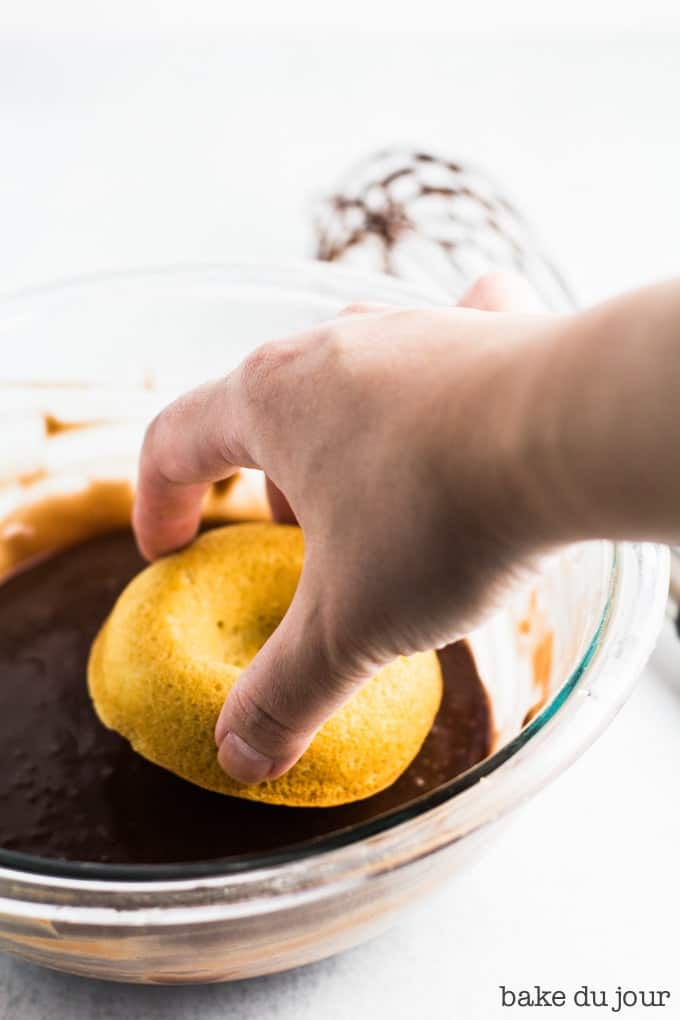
(185,627)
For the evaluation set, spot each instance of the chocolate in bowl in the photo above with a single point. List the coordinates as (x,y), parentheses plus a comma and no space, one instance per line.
(254,914)
(74,790)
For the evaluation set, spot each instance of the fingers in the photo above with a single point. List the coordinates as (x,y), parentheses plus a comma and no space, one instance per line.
(189,445)
(365,308)
(281,699)
(501,292)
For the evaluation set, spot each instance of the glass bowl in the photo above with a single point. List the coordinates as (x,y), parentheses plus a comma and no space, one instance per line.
(558,663)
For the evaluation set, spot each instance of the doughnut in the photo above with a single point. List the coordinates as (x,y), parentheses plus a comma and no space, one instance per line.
(182,631)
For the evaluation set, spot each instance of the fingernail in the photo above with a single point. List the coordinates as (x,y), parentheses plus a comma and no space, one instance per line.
(243,762)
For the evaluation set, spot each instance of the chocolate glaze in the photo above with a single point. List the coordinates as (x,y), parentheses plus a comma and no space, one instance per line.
(70,788)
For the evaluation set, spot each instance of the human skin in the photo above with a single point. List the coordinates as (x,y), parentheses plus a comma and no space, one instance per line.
(431,457)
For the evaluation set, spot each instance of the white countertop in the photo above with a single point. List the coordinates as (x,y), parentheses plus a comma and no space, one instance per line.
(126,151)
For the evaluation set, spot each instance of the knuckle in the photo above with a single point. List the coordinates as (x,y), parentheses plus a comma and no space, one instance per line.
(154,432)
(357,308)
(256,372)
(157,451)
(332,340)
(264,729)
(270,374)
(490,292)
(262,368)
(374,308)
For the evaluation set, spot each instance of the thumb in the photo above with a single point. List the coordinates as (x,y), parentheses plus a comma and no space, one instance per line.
(280,700)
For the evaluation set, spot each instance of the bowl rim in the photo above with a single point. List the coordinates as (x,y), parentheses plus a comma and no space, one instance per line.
(634,608)
(249,270)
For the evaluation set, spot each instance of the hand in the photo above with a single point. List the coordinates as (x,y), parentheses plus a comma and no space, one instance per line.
(397,439)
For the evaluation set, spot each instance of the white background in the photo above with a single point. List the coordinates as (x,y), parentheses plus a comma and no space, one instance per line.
(135,133)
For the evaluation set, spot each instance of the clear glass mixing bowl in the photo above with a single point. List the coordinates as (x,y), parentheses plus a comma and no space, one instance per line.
(107,351)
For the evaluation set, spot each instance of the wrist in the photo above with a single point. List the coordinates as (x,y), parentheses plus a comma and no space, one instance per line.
(600,411)
(547,483)
(611,455)
(511,466)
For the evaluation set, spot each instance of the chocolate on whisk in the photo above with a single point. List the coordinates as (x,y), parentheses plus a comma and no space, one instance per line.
(434,222)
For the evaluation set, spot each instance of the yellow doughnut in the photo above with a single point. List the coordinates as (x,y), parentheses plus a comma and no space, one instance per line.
(182,631)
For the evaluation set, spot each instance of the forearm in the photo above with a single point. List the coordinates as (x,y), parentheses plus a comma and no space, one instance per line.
(602,414)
